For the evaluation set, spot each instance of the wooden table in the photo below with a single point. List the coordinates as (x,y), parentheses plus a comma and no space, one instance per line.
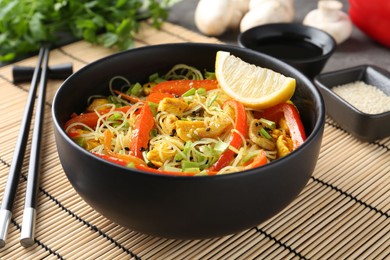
(343,212)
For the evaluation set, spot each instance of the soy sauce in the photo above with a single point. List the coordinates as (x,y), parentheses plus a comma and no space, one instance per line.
(286,48)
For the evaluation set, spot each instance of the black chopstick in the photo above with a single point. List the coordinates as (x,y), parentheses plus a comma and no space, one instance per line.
(18,157)
(29,211)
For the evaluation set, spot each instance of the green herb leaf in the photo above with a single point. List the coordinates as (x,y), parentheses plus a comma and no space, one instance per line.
(26,24)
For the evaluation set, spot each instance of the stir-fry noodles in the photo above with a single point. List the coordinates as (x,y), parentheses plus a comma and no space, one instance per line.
(182,123)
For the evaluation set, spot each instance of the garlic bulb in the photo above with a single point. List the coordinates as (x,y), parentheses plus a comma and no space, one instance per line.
(267,11)
(330,18)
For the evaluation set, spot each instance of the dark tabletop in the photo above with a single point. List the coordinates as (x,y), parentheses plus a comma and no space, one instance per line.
(357,50)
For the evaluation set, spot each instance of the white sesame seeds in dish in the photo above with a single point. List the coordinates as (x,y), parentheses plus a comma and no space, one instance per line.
(367,98)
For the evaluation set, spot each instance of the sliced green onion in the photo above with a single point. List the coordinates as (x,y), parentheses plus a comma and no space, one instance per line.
(211,101)
(114,100)
(136,90)
(221,146)
(80,141)
(206,150)
(115,116)
(249,156)
(153,133)
(186,150)
(267,123)
(209,75)
(196,170)
(265,134)
(153,77)
(189,92)
(188,166)
(153,106)
(201,91)
(158,80)
(178,157)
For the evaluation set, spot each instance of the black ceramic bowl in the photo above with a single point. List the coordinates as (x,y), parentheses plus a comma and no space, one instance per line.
(304,47)
(178,206)
(366,127)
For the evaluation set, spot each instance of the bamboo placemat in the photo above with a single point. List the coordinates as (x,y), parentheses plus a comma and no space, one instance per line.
(343,212)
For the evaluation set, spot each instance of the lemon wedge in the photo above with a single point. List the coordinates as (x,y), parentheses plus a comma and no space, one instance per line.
(254,86)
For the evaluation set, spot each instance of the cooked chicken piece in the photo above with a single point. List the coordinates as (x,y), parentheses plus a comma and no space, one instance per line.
(211,127)
(283,145)
(187,130)
(90,144)
(276,133)
(147,88)
(97,104)
(173,106)
(160,153)
(214,126)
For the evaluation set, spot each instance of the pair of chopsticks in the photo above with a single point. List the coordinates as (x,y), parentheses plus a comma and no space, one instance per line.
(29,212)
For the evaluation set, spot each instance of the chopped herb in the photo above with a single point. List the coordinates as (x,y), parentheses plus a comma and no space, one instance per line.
(115,116)
(136,90)
(26,24)
(211,101)
(267,123)
(221,146)
(209,75)
(80,141)
(153,106)
(265,134)
(153,133)
(190,92)
(201,91)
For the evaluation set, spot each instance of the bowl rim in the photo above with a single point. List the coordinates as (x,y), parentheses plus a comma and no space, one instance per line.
(278,28)
(318,81)
(316,130)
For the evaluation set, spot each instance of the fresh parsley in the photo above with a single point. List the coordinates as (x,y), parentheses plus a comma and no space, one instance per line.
(26,24)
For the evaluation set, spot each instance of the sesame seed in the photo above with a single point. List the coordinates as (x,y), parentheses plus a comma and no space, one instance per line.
(364,97)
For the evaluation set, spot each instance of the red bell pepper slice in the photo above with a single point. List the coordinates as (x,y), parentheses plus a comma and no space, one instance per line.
(240,125)
(144,124)
(293,120)
(142,167)
(258,161)
(156,97)
(73,133)
(122,159)
(90,119)
(179,87)
(112,159)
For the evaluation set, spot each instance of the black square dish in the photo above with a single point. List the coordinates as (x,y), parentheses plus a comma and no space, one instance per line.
(365,126)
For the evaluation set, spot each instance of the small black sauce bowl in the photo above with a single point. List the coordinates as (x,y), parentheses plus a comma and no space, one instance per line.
(366,127)
(304,47)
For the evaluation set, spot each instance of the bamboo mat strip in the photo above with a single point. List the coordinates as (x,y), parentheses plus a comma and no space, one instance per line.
(343,212)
